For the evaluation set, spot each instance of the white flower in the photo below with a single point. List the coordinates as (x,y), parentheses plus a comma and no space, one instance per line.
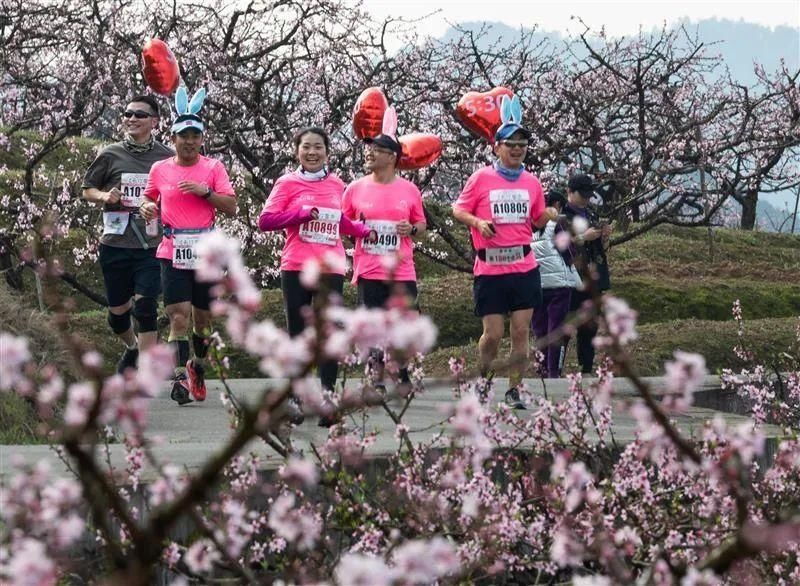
(362,570)
(200,557)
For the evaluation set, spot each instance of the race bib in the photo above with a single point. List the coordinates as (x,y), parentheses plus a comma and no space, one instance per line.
(510,206)
(323,230)
(183,250)
(132,188)
(388,238)
(115,222)
(504,256)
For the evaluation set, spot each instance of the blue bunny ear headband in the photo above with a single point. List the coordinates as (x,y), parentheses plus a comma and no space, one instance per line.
(187,110)
(510,119)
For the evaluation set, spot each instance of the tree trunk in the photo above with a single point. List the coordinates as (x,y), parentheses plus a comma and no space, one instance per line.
(749,202)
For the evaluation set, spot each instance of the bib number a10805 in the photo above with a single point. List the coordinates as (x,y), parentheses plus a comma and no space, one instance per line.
(184,255)
(323,230)
(388,239)
(510,206)
(132,187)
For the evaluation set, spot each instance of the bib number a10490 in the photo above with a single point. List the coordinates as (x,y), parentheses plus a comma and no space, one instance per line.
(132,187)
(184,254)
(388,239)
(323,230)
(510,206)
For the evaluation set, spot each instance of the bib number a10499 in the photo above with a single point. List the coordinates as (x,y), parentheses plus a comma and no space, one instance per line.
(184,254)
(388,239)
(132,187)
(510,206)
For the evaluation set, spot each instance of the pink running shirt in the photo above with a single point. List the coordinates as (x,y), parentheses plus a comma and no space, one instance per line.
(312,238)
(510,206)
(180,209)
(382,206)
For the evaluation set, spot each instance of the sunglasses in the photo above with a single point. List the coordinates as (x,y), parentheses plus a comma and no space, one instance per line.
(138,114)
(515,143)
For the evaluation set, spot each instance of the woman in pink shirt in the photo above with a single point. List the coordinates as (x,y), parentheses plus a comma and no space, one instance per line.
(307,204)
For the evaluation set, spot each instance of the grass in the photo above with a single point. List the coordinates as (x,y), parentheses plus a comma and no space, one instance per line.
(657,342)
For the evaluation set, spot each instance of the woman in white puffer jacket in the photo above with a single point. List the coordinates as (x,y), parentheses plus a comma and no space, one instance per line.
(559,278)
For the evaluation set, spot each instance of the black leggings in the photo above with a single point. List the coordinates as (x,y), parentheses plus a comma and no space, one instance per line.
(585,334)
(295,298)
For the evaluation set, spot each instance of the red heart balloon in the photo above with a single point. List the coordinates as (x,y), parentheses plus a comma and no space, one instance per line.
(419,150)
(479,112)
(160,67)
(368,113)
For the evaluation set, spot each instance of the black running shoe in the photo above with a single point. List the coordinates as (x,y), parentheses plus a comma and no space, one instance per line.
(513,399)
(128,360)
(180,390)
(295,410)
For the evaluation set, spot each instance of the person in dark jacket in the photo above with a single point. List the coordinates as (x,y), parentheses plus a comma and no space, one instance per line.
(590,251)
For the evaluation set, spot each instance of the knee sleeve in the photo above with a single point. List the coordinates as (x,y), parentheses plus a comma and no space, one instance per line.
(145,309)
(120,323)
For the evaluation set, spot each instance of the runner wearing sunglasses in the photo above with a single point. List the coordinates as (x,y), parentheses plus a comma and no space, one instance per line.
(500,204)
(116,179)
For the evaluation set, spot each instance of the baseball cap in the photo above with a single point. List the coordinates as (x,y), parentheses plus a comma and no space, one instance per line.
(582,184)
(507,130)
(186,122)
(387,142)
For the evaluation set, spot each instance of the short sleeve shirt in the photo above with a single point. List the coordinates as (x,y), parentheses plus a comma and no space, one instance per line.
(511,206)
(115,166)
(180,209)
(382,206)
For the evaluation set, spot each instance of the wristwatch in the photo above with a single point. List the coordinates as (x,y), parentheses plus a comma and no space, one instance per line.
(208,193)
(413,230)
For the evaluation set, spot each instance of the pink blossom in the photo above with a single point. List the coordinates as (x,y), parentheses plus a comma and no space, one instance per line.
(300,470)
(215,253)
(155,365)
(684,376)
(200,556)
(422,561)
(309,276)
(294,525)
(620,320)
(172,554)
(80,399)
(14,354)
(31,566)
(562,240)
(362,570)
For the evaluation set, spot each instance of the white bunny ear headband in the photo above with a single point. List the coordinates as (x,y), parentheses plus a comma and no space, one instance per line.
(510,119)
(188,110)
(388,136)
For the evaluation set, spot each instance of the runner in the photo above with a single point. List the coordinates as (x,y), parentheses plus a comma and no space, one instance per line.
(307,203)
(498,204)
(189,189)
(392,206)
(128,245)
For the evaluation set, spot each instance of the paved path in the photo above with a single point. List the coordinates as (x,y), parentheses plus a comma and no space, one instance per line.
(189,434)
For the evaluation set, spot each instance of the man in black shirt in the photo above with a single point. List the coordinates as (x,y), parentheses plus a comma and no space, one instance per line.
(116,179)
(591,258)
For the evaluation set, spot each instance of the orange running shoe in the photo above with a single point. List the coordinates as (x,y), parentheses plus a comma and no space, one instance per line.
(197,382)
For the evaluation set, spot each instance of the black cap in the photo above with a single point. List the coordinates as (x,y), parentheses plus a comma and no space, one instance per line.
(387,142)
(582,184)
(556,196)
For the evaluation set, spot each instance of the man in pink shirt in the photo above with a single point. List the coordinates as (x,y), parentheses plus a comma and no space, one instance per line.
(500,204)
(392,207)
(188,189)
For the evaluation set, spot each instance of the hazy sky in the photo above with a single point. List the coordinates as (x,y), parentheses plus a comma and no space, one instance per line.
(619,16)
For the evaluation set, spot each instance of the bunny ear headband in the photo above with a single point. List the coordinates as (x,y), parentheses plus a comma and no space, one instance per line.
(510,119)
(187,110)
(388,136)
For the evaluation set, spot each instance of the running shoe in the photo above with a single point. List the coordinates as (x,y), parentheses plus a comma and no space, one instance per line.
(128,360)
(180,390)
(295,410)
(197,382)
(513,399)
